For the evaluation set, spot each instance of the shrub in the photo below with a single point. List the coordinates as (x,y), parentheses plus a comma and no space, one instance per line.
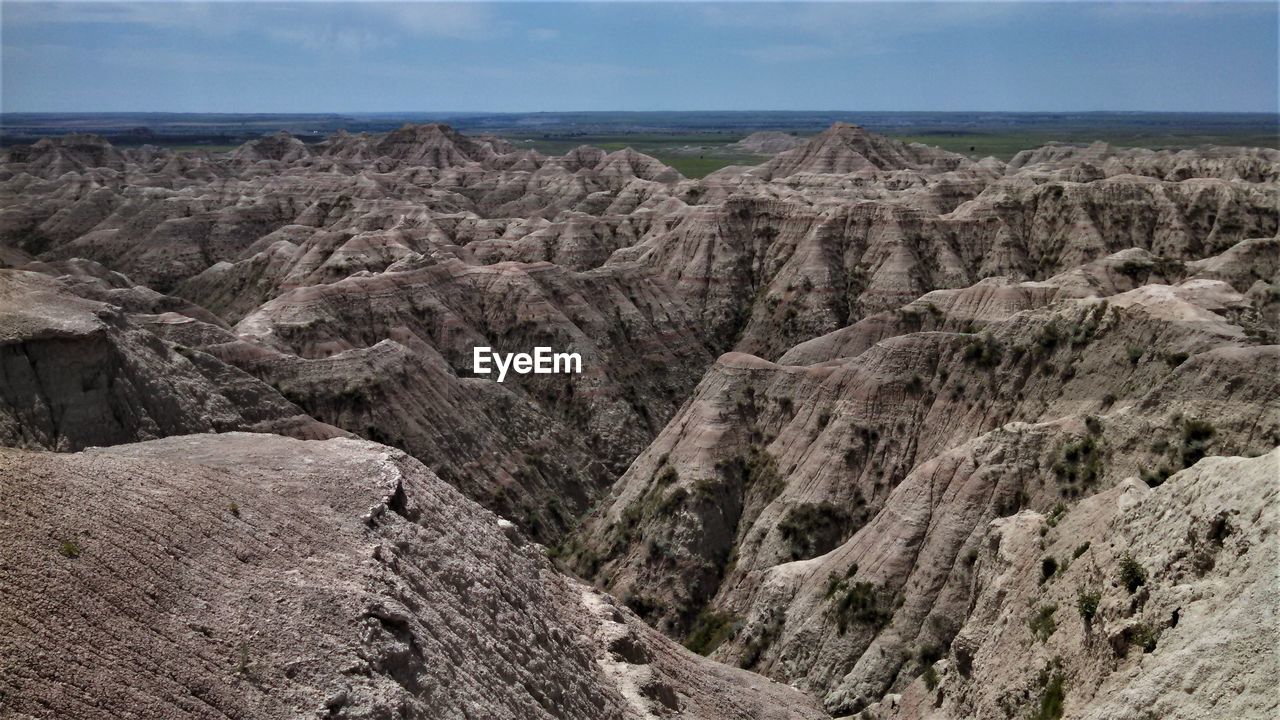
(1048,566)
(1132,574)
(1135,354)
(1054,684)
(1049,336)
(640,605)
(755,647)
(710,630)
(1196,435)
(1081,461)
(930,677)
(985,351)
(813,529)
(234,509)
(69,549)
(1144,636)
(1055,515)
(1156,477)
(1087,603)
(1080,550)
(859,603)
(667,476)
(1042,624)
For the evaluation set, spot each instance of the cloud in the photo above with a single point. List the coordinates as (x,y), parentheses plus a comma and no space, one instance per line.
(459,21)
(781,54)
(348,25)
(328,38)
(543,34)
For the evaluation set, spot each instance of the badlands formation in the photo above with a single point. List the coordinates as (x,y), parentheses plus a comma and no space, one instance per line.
(880,430)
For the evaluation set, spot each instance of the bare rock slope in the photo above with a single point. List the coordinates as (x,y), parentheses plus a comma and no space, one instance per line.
(244,575)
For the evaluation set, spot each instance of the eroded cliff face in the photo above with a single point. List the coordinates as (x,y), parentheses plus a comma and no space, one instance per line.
(257,576)
(870,419)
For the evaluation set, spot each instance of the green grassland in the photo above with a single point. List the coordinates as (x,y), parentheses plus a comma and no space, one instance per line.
(1005,145)
(696,155)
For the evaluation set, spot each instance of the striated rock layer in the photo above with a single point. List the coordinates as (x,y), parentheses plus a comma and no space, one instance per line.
(243,575)
(919,435)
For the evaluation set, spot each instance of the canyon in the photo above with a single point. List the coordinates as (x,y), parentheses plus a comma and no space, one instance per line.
(870,429)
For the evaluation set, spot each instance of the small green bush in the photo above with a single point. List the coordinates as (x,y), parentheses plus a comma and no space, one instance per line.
(984,351)
(814,528)
(710,630)
(1055,692)
(1087,603)
(1132,574)
(667,476)
(1042,624)
(859,603)
(930,677)
(1144,636)
(69,549)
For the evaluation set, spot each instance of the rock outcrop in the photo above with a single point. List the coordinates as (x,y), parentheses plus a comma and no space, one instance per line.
(257,576)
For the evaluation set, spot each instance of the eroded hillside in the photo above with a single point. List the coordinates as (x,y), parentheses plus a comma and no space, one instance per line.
(896,427)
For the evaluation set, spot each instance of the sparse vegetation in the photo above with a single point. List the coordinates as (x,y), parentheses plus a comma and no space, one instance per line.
(813,529)
(915,384)
(1144,636)
(710,630)
(1196,435)
(1081,462)
(756,646)
(1087,604)
(1049,336)
(1042,623)
(859,602)
(1054,692)
(1132,574)
(69,549)
(930,677)
(1056,514)
(667,476)
(985,351)
(1048,567)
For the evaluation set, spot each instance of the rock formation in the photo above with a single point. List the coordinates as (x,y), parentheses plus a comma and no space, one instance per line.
(879,428)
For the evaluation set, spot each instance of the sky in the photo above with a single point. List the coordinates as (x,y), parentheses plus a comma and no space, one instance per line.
(348,57)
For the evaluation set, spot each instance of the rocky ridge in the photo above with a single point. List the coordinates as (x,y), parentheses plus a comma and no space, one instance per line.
(840,410)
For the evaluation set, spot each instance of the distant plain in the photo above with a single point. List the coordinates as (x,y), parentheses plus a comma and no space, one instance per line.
(694,143)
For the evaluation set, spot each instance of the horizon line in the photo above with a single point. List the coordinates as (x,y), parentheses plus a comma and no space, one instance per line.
(4,113)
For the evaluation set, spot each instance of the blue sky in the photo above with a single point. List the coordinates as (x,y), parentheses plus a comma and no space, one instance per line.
(436,57)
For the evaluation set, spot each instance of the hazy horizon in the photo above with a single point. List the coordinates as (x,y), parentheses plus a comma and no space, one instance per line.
(491,58)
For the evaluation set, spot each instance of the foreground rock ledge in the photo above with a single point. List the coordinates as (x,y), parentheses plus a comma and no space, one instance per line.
(255,576)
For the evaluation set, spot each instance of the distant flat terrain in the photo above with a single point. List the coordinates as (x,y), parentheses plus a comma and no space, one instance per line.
(695,143)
